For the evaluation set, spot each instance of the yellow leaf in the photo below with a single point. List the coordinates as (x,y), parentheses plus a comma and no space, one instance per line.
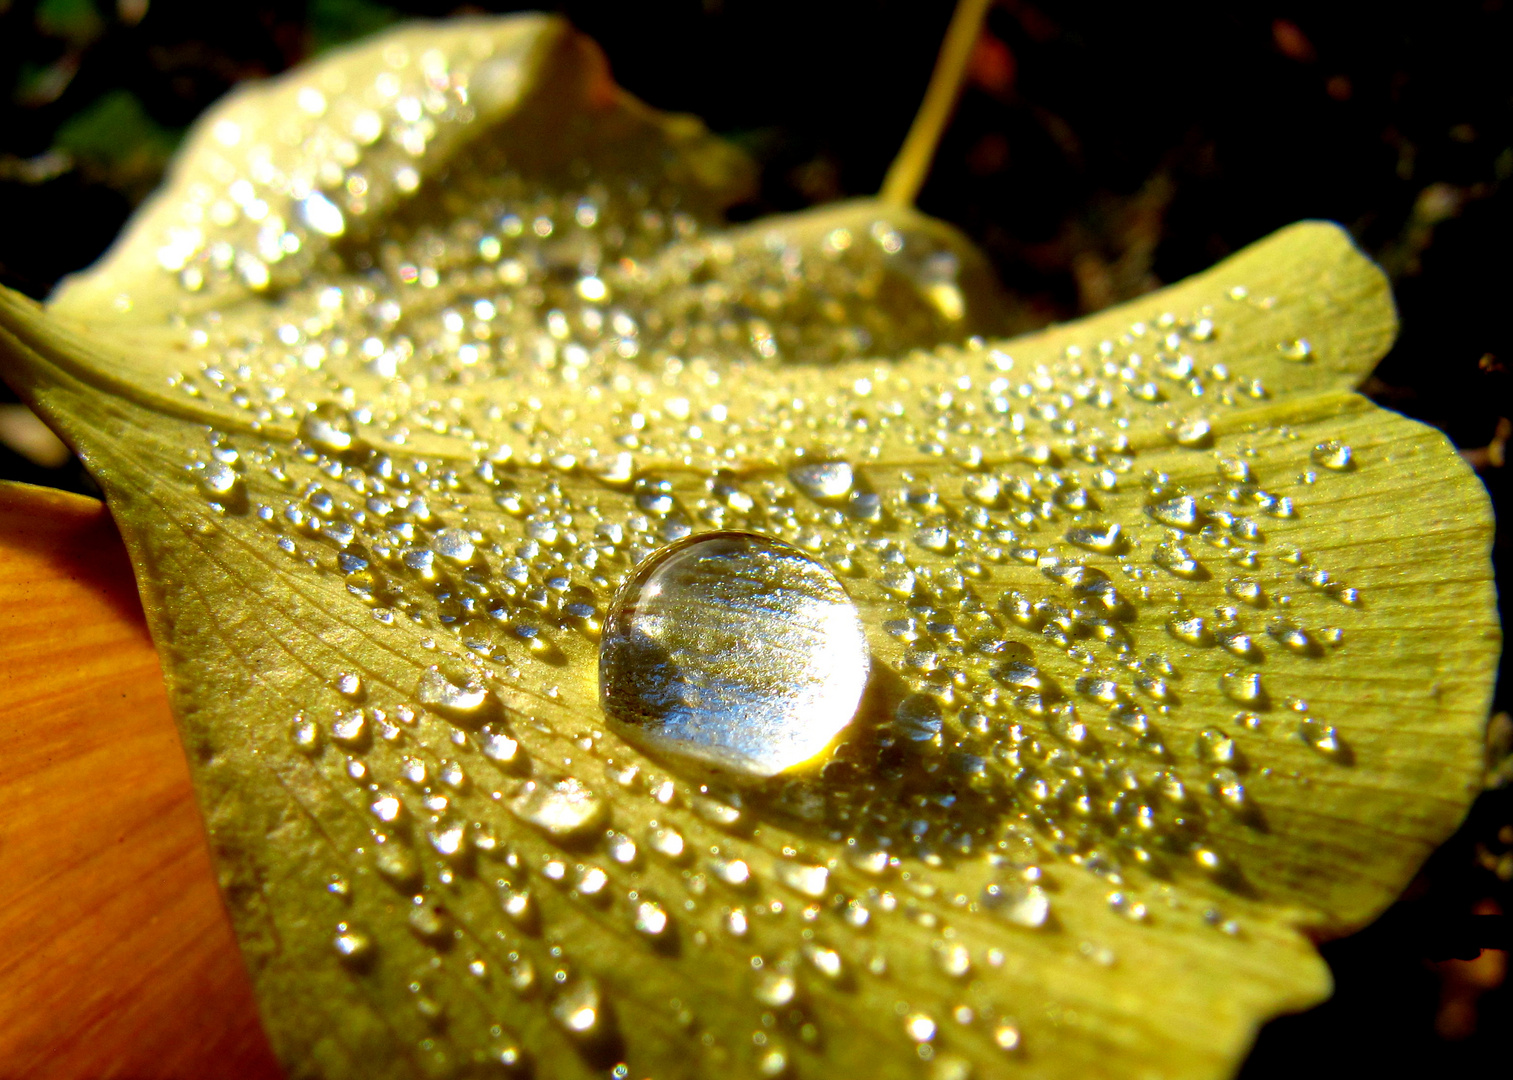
(1176,652)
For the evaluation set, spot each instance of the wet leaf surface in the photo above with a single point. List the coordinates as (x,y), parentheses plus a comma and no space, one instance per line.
(1180,650)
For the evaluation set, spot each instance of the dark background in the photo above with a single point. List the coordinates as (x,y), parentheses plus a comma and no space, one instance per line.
(1099,151)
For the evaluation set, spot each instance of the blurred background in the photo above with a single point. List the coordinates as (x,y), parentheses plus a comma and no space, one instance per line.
(1099,151)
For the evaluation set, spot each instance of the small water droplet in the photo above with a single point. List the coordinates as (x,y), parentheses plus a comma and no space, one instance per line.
(918,718)
(1006,1037)
(1333,455)
(330,430)
(220,482)
(935,537)
(455,545)
(470,703)
(387,808)
(429,924)
(520,906)
(353,945)
(1192,629)
(1234,469)
(449,840)
(1181,512)
(1294,638)
(1128,906)
(1226,784)
(775,988)
(306,734)
(823,481)
(1247,591)
(651,919)
(824,960)
(1024,905)
(1299,350)
(1107,540)
(1179,561)
(900,583)
(501,749)
(1241,645)
(919,1027)
(668,842)
(713,810)
(1322,737)
(564,810)
(1244,688)
(1195,432)
(506,1053)
(807,880)
(664,669)
(954,959)
(1217,747)
(351,729)
(579,1009)
(732,872)
(984,489)
(397,863)
(773,1063)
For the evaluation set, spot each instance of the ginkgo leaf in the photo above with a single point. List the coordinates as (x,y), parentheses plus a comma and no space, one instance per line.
(427,376)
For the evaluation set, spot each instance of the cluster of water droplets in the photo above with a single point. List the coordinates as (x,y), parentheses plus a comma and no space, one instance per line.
(970,598)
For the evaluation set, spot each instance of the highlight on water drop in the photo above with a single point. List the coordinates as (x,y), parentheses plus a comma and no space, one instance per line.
(735,650)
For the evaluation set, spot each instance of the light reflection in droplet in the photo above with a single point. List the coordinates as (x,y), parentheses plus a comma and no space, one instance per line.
(665,666)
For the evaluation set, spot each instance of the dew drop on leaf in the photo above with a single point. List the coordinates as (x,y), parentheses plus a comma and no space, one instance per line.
(1023,905)
(352,945)
(823,481)
(1333,454)
(1179,513)
(563,810)
(329,430)
(220,482)
(579,1010)
(664,670)
(460,703)
(806,880)
(1246,688)
(1193,433)
(1299,350)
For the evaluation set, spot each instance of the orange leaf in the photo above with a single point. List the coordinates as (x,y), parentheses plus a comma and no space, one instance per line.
(116,956)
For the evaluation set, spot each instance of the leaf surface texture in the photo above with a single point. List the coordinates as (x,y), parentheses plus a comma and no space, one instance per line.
(425,347)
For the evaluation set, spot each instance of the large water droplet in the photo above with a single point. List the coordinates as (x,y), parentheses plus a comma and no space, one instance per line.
(733,649)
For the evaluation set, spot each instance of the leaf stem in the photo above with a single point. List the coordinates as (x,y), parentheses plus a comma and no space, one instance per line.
(907,173)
